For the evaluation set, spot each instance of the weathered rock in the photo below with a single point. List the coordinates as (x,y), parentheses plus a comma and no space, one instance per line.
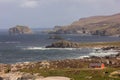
(20,30)
(28,76)
(64,44)
(17,76)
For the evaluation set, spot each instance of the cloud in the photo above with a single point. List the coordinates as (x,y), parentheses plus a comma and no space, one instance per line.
(29,3)
(52,12)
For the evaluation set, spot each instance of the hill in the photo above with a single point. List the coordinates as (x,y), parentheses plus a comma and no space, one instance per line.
(95,25)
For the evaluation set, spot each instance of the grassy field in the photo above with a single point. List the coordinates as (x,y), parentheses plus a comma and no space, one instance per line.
(77,74)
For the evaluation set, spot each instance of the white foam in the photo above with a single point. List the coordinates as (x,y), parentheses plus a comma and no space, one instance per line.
(102,53)
(81,57)
(10,42)
(43,48)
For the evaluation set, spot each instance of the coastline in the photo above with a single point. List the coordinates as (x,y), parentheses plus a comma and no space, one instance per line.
(33,68)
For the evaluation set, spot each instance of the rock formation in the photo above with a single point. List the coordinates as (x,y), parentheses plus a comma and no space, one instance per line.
(17,30)
(64,44)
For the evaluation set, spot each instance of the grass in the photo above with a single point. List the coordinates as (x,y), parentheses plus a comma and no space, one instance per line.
(76,74)
(102,44)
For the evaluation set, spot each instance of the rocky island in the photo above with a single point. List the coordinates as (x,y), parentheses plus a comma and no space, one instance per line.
(18,30)
(64,44)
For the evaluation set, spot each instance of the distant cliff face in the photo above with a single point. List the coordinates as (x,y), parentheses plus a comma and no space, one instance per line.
(20,30)
(96,25)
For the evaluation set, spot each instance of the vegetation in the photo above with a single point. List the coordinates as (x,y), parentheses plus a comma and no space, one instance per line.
(101,44)
(76,74)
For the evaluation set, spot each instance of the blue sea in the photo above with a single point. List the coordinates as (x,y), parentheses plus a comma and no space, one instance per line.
(24,48)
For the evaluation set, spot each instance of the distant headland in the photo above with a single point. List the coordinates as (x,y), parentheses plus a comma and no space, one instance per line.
(95,25)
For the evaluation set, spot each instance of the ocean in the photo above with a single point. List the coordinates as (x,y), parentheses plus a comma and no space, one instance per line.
(24,48)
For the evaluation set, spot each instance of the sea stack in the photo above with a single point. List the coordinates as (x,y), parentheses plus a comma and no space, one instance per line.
(20,30)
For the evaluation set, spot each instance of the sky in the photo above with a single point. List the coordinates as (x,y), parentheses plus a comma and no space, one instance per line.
(49,13)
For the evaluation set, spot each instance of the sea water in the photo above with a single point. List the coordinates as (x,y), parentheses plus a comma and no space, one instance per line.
(22,48)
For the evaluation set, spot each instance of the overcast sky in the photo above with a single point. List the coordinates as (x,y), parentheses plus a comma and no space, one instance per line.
(48,13)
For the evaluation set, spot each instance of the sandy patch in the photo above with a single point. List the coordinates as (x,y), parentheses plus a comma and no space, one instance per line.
(55,78)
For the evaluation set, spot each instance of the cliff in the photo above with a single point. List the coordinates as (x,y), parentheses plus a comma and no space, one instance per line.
(95,25)
(20,30)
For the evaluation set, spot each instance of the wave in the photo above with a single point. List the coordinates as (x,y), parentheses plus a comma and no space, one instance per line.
(10,42)
(102,53)
(43,48)
(81,57)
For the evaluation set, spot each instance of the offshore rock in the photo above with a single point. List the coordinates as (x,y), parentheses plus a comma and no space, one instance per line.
(64,44)
(20,30)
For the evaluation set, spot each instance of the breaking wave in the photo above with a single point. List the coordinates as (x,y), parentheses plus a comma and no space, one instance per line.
(102,53)
(10,42)
(43,48)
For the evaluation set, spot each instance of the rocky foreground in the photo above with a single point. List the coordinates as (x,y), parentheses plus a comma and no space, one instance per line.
(33,70)
(28,76)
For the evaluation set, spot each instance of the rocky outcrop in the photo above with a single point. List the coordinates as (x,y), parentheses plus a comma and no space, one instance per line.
(64,44)
(28,76)
(13,71)
(20,30)
(18,76)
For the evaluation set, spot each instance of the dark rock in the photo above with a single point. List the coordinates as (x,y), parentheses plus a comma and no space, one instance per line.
(20,30)
(64,44)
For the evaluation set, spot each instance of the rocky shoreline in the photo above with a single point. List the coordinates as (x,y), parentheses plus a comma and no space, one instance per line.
(70,44)
(16,70)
